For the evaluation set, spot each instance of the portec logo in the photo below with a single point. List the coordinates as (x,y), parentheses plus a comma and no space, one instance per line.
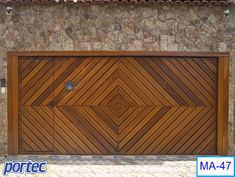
(28,167)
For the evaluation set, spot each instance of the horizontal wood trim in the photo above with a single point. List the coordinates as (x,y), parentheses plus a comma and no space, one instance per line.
(118,53)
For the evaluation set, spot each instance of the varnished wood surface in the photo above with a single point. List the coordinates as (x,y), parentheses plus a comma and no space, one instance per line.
(125,102)
(222,130)
(13,105)
(119,105)
(117,53)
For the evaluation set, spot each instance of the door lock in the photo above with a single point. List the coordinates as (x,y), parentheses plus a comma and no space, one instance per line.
(69,85)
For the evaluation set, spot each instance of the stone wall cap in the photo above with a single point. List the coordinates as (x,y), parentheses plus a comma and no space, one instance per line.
(193,2)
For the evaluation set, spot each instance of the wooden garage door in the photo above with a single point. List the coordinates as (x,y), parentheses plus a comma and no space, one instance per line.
(119,105)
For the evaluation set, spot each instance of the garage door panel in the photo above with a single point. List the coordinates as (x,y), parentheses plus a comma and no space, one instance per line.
(132,94)
(160,138)
(89,129)
(68,140)
(58,148)
(67,69)
(36,130)
(128,117)
(207,70)
(138,127)
(149,82)
(210,128)
(198,67)
(131,86)
(30,66)
(212,65)
(125,130)
(107,68)
(99,88)
(193,132)
(128,99)
(177,83)
(93,74)
(105,117)
(67,144)
(191,82)
(173,86)
(102,83)
(164,81)
(101,115)
(206,143)
(36,81)
(183,81)
(141,129)
(109,136)
(76,133)
(69,135)
(24,62)
(147,139)
(165,145)
(186,129)
(131,79)
(109,97)
(28,144)
(141,78)
(118,105)
(159,129)
(210,149)
(199,80)
(76,127)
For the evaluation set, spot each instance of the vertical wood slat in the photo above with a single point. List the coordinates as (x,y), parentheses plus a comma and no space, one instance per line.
(12,96)
(222,106)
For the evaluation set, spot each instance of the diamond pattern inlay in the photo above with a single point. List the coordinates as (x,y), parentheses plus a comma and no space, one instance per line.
(119,105)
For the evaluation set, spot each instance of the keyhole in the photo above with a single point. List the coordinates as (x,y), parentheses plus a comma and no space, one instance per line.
(69,85)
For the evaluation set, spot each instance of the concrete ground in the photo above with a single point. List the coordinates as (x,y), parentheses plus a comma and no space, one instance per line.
(111,166)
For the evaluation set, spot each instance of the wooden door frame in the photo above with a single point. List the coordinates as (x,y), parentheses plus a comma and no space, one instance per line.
(13,88)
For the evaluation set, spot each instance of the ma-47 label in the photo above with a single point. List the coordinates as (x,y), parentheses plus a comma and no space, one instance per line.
(215,166)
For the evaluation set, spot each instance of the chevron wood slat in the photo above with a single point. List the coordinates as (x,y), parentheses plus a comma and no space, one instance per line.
(119,105)
(70,132)
(155,90)
(106,143)
(147,139)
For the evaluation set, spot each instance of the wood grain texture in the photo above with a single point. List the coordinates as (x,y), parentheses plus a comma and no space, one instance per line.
(222,127)
(149,104)
(117,53)
(36,81)
(36,129)
(13,109)
(36,117)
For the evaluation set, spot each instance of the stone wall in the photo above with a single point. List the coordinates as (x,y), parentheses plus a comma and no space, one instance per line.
(113,27)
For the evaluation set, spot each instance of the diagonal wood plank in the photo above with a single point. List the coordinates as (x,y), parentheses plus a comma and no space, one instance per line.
(119,105)
(35,130)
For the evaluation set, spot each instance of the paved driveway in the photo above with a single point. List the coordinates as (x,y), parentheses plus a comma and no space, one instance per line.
(112,166)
